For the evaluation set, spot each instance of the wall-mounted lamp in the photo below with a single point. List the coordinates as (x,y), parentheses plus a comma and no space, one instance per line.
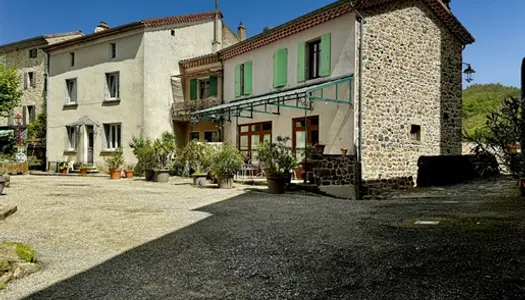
(469,72)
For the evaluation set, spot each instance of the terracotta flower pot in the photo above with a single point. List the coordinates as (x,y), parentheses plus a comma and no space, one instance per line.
(83,171)
(129,173)
(115,173)
(63,172)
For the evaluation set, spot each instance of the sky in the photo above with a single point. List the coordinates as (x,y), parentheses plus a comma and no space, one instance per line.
(496,55)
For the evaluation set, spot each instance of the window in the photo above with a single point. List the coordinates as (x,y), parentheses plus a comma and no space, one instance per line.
(112,86)
(243,79)
(250,135)
(71,85)
(33,53)
(173,32)
(415,133)
(72,58)
(71,138)
(280,68)
(29,79)
(31,112)
(304,132)
(113,50)
(211,136)
(204,89)
(194,135)
(313,58)
(112,134)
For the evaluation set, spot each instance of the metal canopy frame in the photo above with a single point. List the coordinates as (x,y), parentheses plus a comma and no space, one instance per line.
(299,98)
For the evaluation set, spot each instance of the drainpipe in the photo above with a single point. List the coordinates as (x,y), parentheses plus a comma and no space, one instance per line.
(215,42)
(47,60)
(358,175)
(222,94)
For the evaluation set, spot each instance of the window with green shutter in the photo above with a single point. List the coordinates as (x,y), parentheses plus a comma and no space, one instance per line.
(237,80)
(243,79)
(213,86)
(280,68)
(326,50)
(301,62)
(193,89)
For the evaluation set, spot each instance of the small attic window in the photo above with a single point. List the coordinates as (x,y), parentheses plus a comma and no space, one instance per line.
(173,32)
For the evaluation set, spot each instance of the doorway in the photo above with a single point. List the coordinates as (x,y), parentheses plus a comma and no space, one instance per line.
(305,131)
(90,142)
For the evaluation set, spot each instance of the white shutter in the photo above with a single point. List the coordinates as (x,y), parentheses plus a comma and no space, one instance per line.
(25,80)
(106,90)
(77,136)
(74,92)
(103,136)
(66,140)
(117,78)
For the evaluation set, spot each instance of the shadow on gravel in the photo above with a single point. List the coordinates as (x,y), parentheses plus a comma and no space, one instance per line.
(259,246)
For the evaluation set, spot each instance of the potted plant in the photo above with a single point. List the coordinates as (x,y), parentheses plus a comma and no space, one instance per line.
(84,169)
(278,161)
(129,170)
(319,148)
(114,163)
(163,151)
(146,161)
(226,163)
(63,169)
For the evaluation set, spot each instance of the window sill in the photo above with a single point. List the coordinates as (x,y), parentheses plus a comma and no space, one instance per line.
(112,100)
(72,151)
(73,104)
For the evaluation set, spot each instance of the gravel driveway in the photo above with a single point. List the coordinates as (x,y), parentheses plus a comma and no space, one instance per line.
(259,246)
(76,223)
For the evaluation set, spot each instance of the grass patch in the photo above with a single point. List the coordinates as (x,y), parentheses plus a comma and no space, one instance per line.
(23,251)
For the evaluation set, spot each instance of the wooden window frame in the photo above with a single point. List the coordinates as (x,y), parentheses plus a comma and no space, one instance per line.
(309,129)
(190,133)
(313,72)
(261,133)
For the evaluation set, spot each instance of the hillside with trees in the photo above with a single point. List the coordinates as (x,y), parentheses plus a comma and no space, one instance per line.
(479,100)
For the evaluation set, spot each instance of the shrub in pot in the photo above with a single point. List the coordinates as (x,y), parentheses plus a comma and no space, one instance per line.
(63,170)
(227,161)
(277,161)
(163,151)
(146,164)
(114,164)
(84,169)
(129,171)
(198,157)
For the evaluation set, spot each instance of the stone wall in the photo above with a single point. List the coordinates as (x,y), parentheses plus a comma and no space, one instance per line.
(411,76)
(333,169)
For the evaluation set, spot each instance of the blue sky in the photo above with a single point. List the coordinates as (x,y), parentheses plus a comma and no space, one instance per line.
(499,28)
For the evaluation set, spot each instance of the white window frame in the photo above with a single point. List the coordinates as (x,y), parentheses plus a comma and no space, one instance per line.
(72,91)
(113,136)
(116,81)
(206,82)
(71,138)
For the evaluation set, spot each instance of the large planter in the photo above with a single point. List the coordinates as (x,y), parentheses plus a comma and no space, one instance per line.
(199,179)
(83,171)
(115,173)
(63,171)
(277,184)
(149,174)
(128,173)
(162,176)
(225,181)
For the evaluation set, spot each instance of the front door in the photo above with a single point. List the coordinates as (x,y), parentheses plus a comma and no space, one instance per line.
(90,141)
(304,132)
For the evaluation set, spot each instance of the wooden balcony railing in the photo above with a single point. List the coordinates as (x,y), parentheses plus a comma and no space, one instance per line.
(181,111)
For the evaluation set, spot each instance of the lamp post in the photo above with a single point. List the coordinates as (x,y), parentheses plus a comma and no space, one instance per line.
(469,72)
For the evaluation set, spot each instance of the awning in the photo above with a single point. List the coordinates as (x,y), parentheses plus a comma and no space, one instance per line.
(301,97)
(83,121)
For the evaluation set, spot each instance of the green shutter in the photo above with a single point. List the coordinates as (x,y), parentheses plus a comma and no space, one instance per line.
(193,89)
(283,67)
(248,77)
(213,86)
(326,50)
(276,69)
(237,80)
(301,62)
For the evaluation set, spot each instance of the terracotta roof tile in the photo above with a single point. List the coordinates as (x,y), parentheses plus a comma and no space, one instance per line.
(333,11)
(199,60)
(146,23)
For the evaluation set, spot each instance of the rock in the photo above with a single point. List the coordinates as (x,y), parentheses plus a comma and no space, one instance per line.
(24,269)
(5,278)
(6,211)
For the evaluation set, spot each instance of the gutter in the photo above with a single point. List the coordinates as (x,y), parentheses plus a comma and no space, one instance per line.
(358,174)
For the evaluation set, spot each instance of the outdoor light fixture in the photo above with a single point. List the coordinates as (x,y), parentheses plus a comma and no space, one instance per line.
(18,119)
(469,72)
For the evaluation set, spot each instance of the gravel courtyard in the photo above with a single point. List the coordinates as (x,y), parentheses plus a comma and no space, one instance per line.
(103,239)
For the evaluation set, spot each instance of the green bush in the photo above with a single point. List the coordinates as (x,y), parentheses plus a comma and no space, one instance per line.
(116,160)
(277,159)
(227,161)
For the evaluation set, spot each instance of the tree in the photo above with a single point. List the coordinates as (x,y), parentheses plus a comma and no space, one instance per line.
(37,129)
(10,92)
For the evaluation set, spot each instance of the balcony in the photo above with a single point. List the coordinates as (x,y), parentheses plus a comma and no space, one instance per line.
(181,111)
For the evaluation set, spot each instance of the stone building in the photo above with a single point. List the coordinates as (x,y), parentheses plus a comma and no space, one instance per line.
(120,82)
(30,60)
(382,79)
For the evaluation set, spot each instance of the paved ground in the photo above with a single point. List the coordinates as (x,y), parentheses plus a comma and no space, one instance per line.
(258,246)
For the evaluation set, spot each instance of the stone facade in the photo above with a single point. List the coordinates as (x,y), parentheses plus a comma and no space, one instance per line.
(19,59)
(411,79)
(333,169)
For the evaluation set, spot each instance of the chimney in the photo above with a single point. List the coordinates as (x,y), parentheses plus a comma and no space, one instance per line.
(102,26)
(216,43)
(241,32)
(447,3)
(266,28)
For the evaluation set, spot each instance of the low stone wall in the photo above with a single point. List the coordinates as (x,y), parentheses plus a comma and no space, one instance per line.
(333,169)
(382,188)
